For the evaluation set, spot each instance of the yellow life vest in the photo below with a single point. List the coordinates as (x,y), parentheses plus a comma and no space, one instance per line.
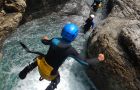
(45,69)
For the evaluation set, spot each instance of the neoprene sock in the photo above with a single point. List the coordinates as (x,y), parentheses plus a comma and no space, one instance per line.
(27,69)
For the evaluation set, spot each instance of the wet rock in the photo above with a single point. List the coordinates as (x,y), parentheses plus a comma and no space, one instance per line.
(73,7)
(8,23)
(35,9)
(11,12)
(126,9)
(2,12)
(15,6)
(118,38)
(1,4)
(130,41)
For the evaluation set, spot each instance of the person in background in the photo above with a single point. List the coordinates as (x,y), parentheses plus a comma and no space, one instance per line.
(60,49)
(96,4)
(89,23)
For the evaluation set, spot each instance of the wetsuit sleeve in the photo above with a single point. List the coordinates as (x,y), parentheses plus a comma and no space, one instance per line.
(46,42)
(78,57)
(82,60)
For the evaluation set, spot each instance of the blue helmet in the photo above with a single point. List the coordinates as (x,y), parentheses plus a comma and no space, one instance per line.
(69,32)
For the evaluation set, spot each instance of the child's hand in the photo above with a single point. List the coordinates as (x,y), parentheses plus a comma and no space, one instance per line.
(101,57)
(46,38)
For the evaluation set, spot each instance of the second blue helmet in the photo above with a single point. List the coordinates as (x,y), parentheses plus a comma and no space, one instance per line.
(69,32)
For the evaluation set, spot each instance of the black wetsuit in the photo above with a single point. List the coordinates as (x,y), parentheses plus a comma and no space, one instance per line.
(89,23)
(58,52)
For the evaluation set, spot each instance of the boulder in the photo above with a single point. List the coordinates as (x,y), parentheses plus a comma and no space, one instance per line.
(15,6)
(11,12)
(8,23)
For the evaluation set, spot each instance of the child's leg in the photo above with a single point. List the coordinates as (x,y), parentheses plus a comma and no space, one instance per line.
(27,69)
(54,83)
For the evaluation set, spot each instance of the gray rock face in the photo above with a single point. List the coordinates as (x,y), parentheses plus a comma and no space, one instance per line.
(76,11)
(130,40)
(129,9)
(75,7)
(118,37)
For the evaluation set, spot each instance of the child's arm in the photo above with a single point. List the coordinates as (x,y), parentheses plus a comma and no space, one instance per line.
(85,61)
(45,40)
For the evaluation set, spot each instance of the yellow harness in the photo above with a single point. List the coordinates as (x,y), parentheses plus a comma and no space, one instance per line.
(45,69)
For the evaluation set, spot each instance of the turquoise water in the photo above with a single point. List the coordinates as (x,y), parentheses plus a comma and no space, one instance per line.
(15,58)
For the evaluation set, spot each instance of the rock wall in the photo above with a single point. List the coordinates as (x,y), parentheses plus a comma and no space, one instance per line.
(118,37)
(10,16)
